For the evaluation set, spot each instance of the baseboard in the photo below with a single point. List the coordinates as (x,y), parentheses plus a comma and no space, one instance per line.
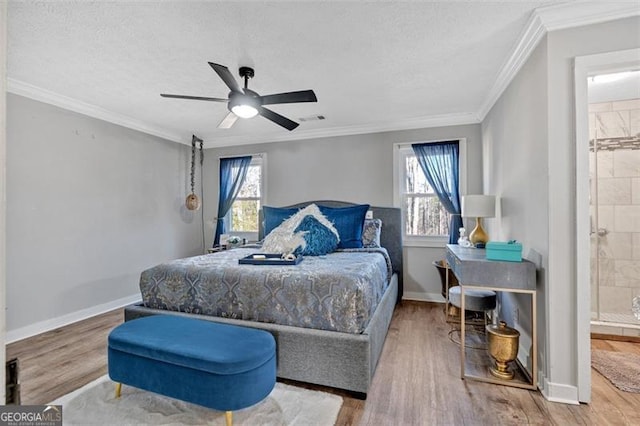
(51,324)
(555,392)
(423,297)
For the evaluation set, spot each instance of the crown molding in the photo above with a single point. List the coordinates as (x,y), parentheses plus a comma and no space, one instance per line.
(531,36)
(552,18)
(569,15)
(42,95)
(213,140)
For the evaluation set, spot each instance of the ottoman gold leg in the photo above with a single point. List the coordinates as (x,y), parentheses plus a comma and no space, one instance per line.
(118,389)
(228,415)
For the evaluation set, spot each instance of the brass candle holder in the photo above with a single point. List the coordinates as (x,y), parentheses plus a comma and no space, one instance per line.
(503,344)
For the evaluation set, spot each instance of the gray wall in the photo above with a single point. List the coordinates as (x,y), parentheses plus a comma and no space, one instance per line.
(529,145)
(355,168)
(515,151)
(563,47)
(90,205)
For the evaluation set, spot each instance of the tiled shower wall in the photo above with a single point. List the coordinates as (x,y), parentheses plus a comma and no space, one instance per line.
(618,212)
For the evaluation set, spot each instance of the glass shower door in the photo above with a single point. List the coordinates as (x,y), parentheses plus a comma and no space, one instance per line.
(615,215)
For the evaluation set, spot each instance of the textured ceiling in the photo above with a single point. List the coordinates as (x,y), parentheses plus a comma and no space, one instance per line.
(372,65)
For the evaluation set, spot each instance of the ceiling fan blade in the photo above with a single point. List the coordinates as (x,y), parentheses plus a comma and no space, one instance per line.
(226,76)
(277,118)
(290,97)
(228,121)
(195,98)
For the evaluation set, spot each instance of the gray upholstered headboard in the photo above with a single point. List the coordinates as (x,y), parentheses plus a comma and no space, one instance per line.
(390,237)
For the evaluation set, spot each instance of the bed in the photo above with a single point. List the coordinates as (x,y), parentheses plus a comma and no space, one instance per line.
(340,351)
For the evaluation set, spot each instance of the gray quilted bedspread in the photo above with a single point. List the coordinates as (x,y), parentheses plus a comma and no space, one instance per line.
(339,291)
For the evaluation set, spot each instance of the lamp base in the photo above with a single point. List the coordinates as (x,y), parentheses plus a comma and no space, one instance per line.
(478,236)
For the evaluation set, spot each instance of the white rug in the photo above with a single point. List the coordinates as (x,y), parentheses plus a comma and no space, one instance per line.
(95,404)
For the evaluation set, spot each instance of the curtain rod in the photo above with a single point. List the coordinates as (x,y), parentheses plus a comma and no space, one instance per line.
(261,154)
(406,144)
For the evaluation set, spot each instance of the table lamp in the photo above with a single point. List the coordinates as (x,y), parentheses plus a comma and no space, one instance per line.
(478,206)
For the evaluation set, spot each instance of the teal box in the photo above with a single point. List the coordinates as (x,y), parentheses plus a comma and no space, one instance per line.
(510,251)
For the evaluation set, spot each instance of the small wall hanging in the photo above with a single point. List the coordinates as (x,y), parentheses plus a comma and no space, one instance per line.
(192,201)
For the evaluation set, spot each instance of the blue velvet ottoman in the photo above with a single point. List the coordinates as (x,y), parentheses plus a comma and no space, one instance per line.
(215,365)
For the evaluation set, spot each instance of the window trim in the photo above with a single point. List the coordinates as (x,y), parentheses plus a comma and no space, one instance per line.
(400,150)
(261,160)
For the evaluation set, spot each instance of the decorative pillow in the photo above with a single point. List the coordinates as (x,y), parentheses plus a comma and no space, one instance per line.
(349,222)
(287,238)
(371,233)
(274,216)
(319,239)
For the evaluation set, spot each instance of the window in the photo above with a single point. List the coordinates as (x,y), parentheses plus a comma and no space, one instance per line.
(425,220)
(242,219)
(424,214)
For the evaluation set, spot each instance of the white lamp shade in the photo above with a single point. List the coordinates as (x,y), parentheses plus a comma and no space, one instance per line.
(478,205)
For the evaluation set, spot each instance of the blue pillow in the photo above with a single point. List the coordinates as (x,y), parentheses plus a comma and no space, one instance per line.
(274,216)
(320,240)
(349,222)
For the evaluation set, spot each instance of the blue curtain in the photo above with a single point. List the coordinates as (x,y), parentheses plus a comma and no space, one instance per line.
(233,171)
(439,162)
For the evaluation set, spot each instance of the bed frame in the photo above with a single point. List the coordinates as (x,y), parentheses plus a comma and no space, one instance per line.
(329,358)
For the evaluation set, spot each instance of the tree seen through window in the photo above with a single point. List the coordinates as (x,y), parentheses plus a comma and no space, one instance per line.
(244,211)
(424,214)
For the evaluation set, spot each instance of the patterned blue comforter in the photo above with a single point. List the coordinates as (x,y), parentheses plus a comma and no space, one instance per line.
(339,291)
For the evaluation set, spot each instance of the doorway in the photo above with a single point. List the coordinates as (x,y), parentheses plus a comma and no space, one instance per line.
(614,174)
(586,67)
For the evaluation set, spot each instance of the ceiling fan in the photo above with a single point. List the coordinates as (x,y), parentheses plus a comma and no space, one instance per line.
(246,103)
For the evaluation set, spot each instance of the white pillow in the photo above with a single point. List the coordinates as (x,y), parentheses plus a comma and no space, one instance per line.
(284,240)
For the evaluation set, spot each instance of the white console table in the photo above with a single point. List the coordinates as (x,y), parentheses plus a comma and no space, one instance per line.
(475,272)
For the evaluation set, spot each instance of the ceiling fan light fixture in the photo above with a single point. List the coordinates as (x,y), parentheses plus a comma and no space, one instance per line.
(245,103)
(244,111)
(244,106)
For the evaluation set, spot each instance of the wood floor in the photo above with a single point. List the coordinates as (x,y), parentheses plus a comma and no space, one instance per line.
(417,381)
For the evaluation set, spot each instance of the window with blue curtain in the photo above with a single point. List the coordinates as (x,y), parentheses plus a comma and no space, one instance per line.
(233,172)
(242,218)
(440,163)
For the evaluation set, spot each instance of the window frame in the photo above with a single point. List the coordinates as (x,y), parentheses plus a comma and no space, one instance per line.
(256,160)
(400,152)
